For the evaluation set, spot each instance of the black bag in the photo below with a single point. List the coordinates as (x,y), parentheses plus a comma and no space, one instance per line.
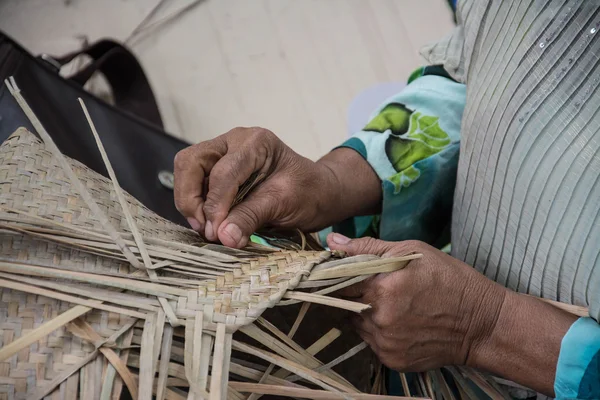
(132,132)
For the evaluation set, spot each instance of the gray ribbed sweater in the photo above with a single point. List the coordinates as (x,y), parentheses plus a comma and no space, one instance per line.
(527,201)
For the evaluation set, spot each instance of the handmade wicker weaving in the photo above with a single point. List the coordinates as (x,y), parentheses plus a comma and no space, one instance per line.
(98,293)
(84,266)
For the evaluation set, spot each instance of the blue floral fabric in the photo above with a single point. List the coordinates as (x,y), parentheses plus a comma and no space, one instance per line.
(412,143)
(578,368)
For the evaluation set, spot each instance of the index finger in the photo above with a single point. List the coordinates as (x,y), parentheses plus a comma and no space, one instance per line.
(191,167)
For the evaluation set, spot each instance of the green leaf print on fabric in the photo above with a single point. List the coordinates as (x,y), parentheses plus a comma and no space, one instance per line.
(413,137)
(427,129)
(425,138)
(404,178)
(394,117)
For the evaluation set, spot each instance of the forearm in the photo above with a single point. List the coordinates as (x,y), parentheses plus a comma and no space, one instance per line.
(355,189)
(525,343)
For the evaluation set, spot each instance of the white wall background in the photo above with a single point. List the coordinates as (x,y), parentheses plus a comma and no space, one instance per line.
(292,66)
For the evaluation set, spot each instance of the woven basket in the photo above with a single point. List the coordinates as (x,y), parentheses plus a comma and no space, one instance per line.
(63,278)
(99,293)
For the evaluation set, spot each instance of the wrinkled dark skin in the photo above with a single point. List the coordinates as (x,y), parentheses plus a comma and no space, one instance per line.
(297,192)
(436,311)
(440,311)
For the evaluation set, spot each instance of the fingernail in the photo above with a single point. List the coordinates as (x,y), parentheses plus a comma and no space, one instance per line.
(234,232)
(208,230)
(340,239)
(194,223)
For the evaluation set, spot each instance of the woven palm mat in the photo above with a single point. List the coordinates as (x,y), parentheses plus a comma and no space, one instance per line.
(99,293)
(74,311)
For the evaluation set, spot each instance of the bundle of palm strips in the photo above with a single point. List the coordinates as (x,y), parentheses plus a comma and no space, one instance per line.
(102,298)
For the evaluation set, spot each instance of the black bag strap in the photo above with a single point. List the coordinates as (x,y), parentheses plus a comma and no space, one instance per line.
(130,86)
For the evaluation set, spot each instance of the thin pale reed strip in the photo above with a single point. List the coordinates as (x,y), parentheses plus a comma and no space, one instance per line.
(85,331)
(328,301)
(41,331)
(311,376)
(71,299)
(349,354)
(121,283)
(163,367)
(139,241)
(310,393)
(85,194)
(146,377)
(91,293)
(299,318)
(45,390)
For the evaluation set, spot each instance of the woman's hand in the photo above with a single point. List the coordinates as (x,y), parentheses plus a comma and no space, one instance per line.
(430,314)
(439,311)
(296,191)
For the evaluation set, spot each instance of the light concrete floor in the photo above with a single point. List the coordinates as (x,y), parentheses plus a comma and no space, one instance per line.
(292,66)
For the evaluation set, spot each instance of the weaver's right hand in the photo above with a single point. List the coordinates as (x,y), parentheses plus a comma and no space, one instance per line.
(296,191)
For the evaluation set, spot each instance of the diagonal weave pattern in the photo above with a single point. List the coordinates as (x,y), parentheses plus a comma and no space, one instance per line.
(238,290)
(36,365)
(33,182)
(87,271)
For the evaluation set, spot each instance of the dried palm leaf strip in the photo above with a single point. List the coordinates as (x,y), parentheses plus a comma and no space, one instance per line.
(117,385)
(444,388)
(146,376)
(377,386)
(328,301)
(299,318)
(160,323)
(100,248)
(306,357)
(41,331)
(404,381)
(205,252)
(323,368)
(64,375)
(85,194)
(311,376)
(293,352)
(61,241)
(422,385)
(345,282)
(318,284)
(68,298)
(44,391)
(363,268)
(193,355)
(154,289)
(139,302)
(163,367)
(178,371)
(202,253)
(117,189)
(480,381)
(221,363)
(462,383)
(82,329)
(309,393)
(428,384)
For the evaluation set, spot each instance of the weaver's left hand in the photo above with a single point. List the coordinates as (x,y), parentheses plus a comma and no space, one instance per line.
(436,311)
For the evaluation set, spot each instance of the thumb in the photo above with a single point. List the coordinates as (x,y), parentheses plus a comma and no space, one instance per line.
(245,219)
(353,247)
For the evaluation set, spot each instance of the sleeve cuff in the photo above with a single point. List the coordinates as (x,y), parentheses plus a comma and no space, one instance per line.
(412,143)
(578,368)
